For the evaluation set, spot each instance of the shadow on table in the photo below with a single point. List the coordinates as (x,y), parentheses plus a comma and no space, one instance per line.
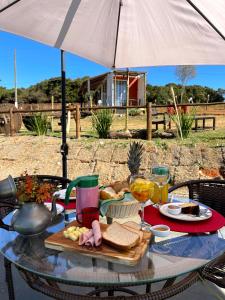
(206,246)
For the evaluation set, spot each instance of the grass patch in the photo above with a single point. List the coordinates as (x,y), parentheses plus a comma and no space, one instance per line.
(212,138)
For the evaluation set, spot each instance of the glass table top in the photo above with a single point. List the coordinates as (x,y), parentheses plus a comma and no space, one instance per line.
(168,258)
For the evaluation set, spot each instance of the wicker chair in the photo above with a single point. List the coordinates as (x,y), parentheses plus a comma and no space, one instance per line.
(208,192)
(59,183)
(212,194)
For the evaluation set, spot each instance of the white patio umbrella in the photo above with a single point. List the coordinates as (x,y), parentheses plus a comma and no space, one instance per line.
(122,33)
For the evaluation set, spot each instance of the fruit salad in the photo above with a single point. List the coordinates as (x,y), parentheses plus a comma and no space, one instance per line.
(142,189)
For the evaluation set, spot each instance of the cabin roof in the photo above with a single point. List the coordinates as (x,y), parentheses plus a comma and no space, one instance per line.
(96,81)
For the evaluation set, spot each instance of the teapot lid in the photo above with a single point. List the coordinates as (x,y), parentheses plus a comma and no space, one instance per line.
(87,181)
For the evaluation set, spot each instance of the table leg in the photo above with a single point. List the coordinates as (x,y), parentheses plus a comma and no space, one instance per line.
(148,287)
(111,293)
(169,282)
(97,293)
(9,279)
(109,220)
(203,123)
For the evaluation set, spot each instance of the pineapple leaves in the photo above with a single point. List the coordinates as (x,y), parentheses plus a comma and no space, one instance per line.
(134,157)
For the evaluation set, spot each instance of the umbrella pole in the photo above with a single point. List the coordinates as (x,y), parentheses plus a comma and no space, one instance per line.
(64,146)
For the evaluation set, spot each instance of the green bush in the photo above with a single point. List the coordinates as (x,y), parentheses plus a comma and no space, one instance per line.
(186,121)
(38,123)
(101,122)
(134,112)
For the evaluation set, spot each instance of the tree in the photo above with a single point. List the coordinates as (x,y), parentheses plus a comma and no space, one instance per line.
(184,74)
(221,92)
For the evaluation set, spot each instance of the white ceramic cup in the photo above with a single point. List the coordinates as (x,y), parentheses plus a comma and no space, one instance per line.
(174,209)
(160,230)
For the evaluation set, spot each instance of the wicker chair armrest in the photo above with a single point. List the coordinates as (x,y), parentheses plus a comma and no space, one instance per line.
(179,185)
(215,271)
(190,183)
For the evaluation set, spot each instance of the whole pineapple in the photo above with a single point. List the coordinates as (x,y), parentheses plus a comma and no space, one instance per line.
(134,157)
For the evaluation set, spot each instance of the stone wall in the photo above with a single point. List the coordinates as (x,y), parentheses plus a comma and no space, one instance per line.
(105,157)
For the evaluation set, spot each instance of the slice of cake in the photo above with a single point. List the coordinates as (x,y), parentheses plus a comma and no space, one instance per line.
(190,208)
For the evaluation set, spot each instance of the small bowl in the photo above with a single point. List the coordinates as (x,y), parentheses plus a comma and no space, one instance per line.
(174,209)
(160,230)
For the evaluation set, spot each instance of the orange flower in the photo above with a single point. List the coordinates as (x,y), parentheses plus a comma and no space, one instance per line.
(29,189)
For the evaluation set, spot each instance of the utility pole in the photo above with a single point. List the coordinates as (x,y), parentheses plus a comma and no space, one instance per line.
(15,80)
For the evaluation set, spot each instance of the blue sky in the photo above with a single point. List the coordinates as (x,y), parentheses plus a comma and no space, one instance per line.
(36,62)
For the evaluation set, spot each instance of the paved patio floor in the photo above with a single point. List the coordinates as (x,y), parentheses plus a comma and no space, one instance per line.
(198,291)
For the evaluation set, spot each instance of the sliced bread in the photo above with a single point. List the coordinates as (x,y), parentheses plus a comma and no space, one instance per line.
(139,232)
(110,193)
(118,236)
(133,225)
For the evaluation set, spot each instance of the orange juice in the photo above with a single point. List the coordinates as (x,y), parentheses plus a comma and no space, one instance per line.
(156,196)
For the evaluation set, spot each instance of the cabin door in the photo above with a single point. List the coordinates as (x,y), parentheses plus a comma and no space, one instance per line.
(121,92)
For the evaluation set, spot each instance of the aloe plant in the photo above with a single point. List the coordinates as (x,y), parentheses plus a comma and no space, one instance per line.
(101,122)
(184,122)
(38,123)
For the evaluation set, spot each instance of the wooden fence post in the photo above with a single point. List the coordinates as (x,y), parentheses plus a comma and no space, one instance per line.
(149,121)
(11,122)
(77,121)
(68,121)
(52,117)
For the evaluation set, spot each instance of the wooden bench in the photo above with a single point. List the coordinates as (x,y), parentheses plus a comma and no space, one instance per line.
(203,125)
(162,120)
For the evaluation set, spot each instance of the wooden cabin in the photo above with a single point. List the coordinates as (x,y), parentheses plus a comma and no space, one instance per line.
(119,88)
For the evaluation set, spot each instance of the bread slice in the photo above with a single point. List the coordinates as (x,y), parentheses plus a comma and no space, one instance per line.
(139,232)
(117,236)
(109,193)
(119,186)
(133,225)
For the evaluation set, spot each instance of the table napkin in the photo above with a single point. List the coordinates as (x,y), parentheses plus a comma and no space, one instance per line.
(104,204)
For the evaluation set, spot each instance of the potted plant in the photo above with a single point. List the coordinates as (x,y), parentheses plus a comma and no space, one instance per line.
(33,217)
(29,189)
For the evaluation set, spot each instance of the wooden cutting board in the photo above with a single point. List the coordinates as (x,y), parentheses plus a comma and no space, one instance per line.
(57,241)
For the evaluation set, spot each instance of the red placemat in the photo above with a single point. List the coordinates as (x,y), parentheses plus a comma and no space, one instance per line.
(71,205)
(154,217)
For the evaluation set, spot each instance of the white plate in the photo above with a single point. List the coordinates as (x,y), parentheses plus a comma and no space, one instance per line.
(205,213)
(59,207)
(62,193)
